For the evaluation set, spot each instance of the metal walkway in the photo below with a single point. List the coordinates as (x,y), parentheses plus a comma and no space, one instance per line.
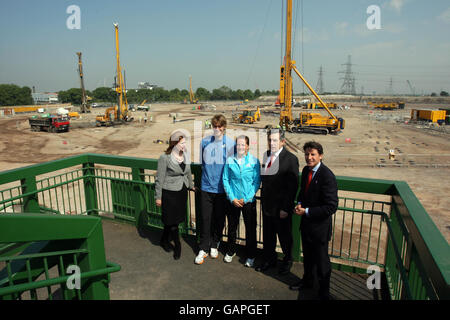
(150,273)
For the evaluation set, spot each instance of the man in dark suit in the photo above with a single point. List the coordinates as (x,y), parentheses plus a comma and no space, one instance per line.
(279,177)
(317,202)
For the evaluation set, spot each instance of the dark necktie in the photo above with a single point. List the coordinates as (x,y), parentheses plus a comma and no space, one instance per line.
(271,160)
(310,174)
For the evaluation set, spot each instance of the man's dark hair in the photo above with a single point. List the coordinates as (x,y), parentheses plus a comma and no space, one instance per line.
(313,145)
(219,120)
(276,130)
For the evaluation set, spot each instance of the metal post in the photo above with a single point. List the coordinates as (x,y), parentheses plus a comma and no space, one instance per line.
(90,188)
(30,202)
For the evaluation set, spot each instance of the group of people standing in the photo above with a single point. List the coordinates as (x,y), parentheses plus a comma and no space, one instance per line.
(231,177)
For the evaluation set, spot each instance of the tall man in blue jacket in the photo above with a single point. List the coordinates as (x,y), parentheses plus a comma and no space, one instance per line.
(279,177)
(317,202)
(215,150)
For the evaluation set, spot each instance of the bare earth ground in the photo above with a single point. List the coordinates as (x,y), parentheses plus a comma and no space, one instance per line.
(422,154)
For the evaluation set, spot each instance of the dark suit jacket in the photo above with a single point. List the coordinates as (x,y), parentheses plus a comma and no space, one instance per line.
(322,201)
(279,183)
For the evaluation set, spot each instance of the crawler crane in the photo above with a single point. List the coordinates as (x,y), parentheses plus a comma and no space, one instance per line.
(307,122)
(84,98)
(119,113)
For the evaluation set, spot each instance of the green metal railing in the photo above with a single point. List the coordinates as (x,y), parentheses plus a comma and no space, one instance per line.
(378,222)
(38,253)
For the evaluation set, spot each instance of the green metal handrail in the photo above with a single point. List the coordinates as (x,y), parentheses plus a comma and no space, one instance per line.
(110,268)
(411,248)
(53,239)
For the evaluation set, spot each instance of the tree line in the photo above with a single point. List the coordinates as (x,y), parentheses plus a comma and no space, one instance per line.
(13,95)
(105,94)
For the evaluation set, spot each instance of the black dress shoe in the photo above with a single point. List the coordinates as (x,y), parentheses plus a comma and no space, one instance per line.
(166,246)
(266,266)
(300,285)
(285,267)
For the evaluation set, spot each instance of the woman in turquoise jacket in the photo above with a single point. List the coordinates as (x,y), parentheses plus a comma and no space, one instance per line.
(241,181)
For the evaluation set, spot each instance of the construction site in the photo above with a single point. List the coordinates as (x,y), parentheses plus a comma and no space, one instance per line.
(422,150)
(382,138)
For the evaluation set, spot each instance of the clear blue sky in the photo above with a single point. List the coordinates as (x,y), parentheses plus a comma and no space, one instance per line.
(236,43)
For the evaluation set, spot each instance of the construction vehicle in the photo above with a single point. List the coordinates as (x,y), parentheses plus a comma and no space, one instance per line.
(191,92)
(312,123)
(74,115)
(139,107)
(436,116)
(84,98)
(117,114)
(388,106)
(247,116)
(142,106)
(315,105)
(49,123)
(447,114)
(309,122)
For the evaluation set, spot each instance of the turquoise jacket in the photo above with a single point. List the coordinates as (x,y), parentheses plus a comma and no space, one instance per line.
(241,181)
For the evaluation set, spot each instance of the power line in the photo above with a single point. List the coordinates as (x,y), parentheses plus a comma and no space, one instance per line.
(348,86)
(259,43)
(400,66)
(319,87)
(303,55)
(391,88)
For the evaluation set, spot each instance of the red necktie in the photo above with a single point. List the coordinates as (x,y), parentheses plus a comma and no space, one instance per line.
(309,180)
(270,163)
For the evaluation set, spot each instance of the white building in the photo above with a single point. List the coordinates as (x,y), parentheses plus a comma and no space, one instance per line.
(45,97)
(146,85)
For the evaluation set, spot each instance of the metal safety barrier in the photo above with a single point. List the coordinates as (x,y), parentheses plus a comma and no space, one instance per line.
(45,256)
(378,222)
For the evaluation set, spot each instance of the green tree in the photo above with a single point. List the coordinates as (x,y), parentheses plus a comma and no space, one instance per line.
(248,94)
(257,94)
(132,96)
(202,94)
(13,95)
(223,93)
(238,95)
(444,94)
(104,94)
(175,95)
(185,94)
(72,96)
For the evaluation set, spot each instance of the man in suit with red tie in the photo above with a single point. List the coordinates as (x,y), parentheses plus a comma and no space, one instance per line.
(317,202)
(279,177)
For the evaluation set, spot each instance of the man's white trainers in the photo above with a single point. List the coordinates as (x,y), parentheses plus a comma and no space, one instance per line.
(200,257)
(249,263)
(228,258)
(214,253)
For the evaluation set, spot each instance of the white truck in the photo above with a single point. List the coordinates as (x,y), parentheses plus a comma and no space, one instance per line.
(142,108)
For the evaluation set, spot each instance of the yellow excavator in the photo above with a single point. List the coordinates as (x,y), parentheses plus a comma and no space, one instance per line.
(307,122)
(119,113)
(191,92)
(248,116)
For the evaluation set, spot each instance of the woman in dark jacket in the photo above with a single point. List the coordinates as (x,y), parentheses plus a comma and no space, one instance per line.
(173,180)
